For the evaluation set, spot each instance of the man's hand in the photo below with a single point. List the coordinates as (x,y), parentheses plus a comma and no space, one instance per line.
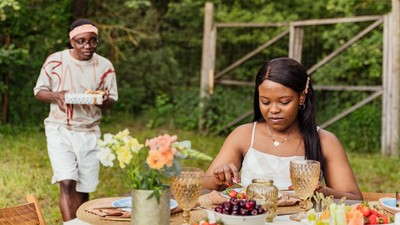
(53,97)
(107,101)
(60,100)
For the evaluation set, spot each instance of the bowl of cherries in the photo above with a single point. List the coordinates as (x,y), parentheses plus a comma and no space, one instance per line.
(240,212)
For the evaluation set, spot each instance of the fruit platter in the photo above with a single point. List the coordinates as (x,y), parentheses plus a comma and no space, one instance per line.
(238,193)
(206,221)
(240,212)
(341,214)
(235,212)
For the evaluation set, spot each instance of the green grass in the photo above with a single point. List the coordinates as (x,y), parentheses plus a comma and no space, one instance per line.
(25,167)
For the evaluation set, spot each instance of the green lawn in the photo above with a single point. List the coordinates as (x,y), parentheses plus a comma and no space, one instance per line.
(25,168)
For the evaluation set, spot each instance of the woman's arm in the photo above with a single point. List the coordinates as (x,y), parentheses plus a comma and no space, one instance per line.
(339,177)
(227,163)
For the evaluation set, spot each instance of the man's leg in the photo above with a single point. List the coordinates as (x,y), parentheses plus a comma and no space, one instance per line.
(70,199)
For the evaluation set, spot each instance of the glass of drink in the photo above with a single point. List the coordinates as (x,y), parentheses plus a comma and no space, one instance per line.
(186,188)
(304,175)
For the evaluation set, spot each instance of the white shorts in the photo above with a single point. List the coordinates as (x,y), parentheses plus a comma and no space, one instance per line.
(73,156)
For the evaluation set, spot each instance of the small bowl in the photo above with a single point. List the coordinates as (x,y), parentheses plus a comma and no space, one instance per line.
(241,220)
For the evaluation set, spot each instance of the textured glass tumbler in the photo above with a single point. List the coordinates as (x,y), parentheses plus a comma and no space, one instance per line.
(304,175)
(186,188)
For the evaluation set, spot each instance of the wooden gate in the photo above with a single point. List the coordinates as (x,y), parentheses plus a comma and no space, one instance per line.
(390,72)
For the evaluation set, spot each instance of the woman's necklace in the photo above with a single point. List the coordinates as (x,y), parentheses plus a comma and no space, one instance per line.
(277,142)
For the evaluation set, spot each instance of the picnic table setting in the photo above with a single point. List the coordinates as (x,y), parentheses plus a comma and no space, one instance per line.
(116,210)
(184,200)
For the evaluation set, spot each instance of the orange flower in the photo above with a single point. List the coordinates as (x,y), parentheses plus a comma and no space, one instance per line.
(161,142)
(154,161)
(165,153)
(167,156)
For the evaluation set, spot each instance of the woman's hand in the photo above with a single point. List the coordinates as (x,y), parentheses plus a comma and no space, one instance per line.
(319,187)
(225,173)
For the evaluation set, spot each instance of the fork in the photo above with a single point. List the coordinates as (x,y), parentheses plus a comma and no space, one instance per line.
(239,183)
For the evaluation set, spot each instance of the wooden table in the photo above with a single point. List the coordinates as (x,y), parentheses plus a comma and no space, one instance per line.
(91,218)
(197,214)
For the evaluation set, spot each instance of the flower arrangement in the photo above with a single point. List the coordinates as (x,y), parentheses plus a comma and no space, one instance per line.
(148,166)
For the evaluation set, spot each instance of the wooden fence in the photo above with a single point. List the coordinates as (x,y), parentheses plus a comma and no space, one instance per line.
(390,72)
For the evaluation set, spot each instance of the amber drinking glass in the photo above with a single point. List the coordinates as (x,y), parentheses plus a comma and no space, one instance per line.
(304,175)
(186,188)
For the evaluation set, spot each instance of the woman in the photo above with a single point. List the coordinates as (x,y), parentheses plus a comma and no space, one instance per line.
(284,129)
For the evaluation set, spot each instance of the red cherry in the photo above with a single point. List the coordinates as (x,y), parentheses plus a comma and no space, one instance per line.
(250,204)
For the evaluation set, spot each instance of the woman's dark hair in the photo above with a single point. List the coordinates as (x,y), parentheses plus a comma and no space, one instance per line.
(80,22)
(291,74)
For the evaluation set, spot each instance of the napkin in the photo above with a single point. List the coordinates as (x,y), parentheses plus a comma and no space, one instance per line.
(102,208)
(112,212)
(287,200)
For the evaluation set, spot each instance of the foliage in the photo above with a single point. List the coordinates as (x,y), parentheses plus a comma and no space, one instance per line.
(363,126)
(156,49)
(165,110)
(4,5)
(147,169)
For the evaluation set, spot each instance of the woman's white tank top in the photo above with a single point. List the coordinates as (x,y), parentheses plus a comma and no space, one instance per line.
(258,164)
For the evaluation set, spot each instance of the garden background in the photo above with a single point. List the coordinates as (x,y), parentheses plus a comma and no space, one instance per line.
(156,50)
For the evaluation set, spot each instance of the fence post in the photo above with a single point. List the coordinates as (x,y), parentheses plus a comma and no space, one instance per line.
(296,42)
(207,61)
(391,82)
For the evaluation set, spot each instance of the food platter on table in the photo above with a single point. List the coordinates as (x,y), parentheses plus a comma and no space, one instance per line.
(307,222)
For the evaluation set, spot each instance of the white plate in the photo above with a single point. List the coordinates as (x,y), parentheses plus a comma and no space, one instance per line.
(238,190)
(389,204)
(128,203)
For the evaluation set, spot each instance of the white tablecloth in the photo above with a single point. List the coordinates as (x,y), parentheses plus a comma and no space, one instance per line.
(284,220)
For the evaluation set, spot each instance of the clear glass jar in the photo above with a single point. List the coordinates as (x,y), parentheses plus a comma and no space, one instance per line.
(265,193)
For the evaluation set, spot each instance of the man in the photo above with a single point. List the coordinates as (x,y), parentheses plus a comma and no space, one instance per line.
(72,130)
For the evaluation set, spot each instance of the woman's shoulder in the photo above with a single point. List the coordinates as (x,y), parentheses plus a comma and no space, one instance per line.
(240,138)
(241,133)
(244,128)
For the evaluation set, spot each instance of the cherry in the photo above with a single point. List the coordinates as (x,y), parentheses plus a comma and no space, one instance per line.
(253,212)
(242,203)
(234,201)
(218,209)
(235,207)
(241,207)
(250,204)
(243,212)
